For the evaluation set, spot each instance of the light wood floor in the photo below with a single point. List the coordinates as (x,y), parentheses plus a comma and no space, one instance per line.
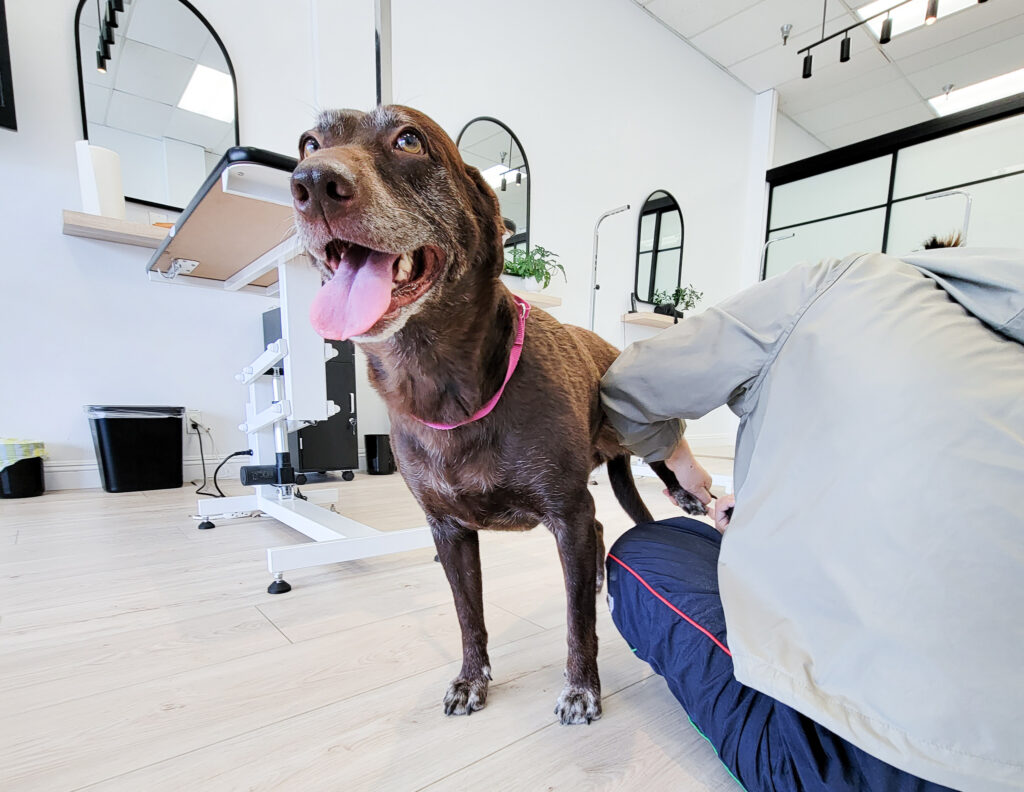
(140,654)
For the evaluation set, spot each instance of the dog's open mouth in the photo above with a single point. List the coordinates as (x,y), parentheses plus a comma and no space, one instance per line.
(370,285)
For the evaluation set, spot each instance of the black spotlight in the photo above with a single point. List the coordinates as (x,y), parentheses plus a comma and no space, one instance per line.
(932,13)
(886,35)
(119,5)
(105,49)
(807,65)
(111,14)
(844,50)
(101,63)
(504,184)
(108,34)
(519,177)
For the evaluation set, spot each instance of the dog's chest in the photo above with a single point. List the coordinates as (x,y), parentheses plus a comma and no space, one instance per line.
(475,489)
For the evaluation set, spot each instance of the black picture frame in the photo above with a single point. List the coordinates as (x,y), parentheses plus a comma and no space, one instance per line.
(658,206)
(8,117)
(81,84)
(518,238)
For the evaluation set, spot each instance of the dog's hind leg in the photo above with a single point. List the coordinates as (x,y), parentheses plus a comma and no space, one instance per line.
(599,536)
(576,536)
(458,549)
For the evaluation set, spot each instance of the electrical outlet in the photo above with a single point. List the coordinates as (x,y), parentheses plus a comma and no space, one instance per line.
(193,417)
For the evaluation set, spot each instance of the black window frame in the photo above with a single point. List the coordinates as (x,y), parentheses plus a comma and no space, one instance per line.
(889,144)
(8,116)
(658,207)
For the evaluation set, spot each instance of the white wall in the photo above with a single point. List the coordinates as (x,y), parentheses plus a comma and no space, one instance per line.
(81,324)
(609,107)
(793,142)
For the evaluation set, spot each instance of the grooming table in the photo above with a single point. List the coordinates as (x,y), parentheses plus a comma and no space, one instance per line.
(237,234)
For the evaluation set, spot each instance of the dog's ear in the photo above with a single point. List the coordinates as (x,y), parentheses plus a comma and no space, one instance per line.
(488,215)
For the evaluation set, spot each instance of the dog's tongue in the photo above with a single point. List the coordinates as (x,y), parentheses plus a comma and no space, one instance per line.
(356,297)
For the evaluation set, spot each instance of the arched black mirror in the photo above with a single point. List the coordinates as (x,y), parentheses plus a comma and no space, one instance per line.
(659,247)
(157,87)
(489,145)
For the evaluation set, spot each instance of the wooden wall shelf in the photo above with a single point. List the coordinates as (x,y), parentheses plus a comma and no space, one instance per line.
(648,319)
(110,229)
(539,299)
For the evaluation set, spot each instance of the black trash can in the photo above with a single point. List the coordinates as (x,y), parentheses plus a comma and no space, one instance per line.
(137,447)
(21,468)
(379,459)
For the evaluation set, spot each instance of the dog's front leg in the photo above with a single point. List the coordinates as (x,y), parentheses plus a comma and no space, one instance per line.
(576,535)
(458,549)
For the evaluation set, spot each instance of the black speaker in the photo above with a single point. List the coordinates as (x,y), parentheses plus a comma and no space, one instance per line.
(379,459)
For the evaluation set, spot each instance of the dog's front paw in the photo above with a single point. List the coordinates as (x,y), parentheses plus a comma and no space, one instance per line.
(687,502)
(465,696)
(578,705)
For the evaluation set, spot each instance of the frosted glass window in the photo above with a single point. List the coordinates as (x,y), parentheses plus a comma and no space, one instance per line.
(671,234)
(647,223)
(996,213)
(835,238)
(643,273)
(843,190)
(666,277)
(978,153)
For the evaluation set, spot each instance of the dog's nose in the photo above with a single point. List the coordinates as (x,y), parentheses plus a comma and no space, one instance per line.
(322,186)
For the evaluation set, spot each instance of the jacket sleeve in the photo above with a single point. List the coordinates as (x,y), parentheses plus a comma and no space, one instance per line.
(705,361)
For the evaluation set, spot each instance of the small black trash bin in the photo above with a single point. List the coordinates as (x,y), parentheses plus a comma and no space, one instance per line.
(379,459)
(137,448)
(21,468)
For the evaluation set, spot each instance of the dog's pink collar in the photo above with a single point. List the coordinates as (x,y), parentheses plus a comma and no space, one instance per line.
(513,361)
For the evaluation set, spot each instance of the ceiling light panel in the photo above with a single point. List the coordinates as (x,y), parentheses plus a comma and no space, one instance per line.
(909,16)
(980,93)
(209,93)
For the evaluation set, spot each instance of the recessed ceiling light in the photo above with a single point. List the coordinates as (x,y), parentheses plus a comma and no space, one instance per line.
(209,93)
(909,16)
(978,94)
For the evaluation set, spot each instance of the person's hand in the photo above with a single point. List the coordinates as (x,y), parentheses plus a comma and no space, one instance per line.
(723,511)
(692,477)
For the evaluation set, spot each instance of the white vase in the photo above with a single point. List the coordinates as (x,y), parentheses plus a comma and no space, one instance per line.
(520,284)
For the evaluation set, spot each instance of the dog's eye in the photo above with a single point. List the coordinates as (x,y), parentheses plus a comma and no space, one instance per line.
(410,143)
(309,145)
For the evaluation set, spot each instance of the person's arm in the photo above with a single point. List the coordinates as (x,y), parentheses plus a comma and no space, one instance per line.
(706,361)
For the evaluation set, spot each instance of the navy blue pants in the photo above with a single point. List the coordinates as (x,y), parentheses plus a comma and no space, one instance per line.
(663,585)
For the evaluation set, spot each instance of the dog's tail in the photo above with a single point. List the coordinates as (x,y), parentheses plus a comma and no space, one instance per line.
(624,487)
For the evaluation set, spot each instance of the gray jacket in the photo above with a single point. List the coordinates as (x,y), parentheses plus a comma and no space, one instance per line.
(873,573)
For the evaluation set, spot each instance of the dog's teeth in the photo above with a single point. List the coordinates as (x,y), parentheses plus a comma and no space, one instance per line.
(404,268)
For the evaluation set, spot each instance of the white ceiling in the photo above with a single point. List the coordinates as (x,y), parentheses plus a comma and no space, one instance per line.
(880,89)
(157,46)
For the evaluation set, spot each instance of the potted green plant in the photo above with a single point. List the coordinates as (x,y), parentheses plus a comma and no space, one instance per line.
(530,270)
(676,303)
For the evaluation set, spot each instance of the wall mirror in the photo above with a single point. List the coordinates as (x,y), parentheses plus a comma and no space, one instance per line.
(490,146)
(157,87)
(659,249)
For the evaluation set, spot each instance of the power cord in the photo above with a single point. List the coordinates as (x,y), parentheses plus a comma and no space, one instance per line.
(216,486)
(202,460)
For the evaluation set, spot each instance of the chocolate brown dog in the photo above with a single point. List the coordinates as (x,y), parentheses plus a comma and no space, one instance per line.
(408,239)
